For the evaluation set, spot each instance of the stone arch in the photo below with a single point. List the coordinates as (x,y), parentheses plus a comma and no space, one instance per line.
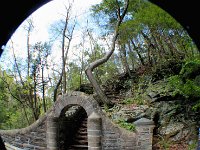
(75,98)
(94,122)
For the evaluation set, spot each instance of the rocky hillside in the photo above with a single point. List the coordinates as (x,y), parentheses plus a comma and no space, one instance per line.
(168,95)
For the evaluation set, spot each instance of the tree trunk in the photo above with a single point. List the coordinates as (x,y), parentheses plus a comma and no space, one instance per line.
(151,49)
(57,86)
(35,108)
(65,50)
(99,62)
(43,90)
(29,28)
(138,53)
(63,56)
(124,59)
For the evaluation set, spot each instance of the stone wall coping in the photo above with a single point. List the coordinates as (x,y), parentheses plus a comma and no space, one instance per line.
(144,121)
(29,128)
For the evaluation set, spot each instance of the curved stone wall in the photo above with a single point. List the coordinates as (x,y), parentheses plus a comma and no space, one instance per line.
(107,135)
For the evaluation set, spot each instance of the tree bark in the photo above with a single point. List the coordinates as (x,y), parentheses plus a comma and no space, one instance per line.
(65,51)
(132,56)
(35,108)
(138,53)
(57,86)
(28,46)
(123,55)
(43,90)
(99,62)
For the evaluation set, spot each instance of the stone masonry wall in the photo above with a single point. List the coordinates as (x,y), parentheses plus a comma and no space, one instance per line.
(111,136)
(117,138)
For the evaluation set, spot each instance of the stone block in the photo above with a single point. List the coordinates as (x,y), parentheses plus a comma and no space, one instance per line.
(94,132)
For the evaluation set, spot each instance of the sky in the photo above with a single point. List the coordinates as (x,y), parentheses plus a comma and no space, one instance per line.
(43,18)
(47,14)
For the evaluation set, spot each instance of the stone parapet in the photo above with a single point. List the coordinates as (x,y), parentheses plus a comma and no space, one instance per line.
(94,131)
(144,128)
(51,134)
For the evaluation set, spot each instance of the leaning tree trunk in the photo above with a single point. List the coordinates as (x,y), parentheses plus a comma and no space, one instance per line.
(95,64)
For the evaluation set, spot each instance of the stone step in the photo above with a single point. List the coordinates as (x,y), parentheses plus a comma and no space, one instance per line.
(79,136)
(81,133)
(81,140)
(81,143)
(83,122)
(82,129)
(78,147)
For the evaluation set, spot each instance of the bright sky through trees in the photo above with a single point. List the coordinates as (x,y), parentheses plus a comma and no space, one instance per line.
(43,18)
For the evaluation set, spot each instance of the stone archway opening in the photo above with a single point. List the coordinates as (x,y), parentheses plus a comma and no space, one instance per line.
(69,112)
(72,128)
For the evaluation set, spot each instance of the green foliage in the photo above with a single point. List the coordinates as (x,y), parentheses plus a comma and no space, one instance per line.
(15,119)
(128,101)
(154,16)
(138,91)
(191,69)
(164,143)
(12,115)
(3,116)
(186,83)
(196,106)
(144,15)
(137,99)
(190,89)
(126,125)
(187,88)
(105,13)
(175,83)
(11,107)
(109,70)
(193,145)
(74,76)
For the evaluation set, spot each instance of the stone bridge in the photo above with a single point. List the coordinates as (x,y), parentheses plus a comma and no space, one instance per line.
(48,132)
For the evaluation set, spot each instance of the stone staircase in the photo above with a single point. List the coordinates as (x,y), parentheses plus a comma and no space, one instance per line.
(80,141)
